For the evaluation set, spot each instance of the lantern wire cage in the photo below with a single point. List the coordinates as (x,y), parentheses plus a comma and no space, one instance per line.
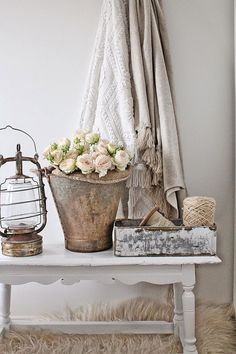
(6,204)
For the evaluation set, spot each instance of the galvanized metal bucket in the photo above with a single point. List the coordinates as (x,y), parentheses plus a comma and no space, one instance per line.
(87,207)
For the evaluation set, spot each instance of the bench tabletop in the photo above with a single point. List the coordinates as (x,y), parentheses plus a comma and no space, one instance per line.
(57,255)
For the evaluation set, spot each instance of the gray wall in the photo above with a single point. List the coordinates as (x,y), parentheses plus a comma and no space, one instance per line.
(45,50)
(202,42)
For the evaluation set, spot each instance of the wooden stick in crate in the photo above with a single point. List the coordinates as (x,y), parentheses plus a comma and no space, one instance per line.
(156,219)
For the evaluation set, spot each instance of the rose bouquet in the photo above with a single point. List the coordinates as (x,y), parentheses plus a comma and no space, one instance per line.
(87,153)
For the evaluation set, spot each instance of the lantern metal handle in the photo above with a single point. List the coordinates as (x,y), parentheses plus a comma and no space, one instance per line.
(23,132)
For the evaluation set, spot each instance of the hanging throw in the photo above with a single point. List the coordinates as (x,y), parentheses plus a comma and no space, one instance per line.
(128,98)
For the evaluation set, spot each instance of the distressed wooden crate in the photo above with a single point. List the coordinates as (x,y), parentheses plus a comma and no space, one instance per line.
(132,240)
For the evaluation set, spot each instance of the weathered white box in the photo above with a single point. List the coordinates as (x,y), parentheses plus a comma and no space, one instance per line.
(131,240)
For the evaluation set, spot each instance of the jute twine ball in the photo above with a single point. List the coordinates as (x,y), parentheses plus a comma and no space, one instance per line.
(199,211)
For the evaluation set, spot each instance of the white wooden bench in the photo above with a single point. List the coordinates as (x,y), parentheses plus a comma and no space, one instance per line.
(56,263)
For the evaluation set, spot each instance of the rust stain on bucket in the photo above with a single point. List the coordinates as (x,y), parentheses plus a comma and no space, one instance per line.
(87,207)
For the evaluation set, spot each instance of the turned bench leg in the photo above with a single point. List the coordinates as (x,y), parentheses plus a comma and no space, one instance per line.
(178,310)
(189,340)
(5,301)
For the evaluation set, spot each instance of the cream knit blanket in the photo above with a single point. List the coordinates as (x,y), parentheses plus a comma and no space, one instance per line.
(108,102)
(128,99)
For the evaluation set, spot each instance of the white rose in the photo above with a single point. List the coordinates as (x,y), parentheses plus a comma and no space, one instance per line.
(85,163)
(47,152)
(95,154)
(121,159)
(80,135)
(102,147)
(112,148)
(64,144)
(102,164)
(57,157)
(92,138)
(76,140)
(68,166)
(79,148)
(72,154)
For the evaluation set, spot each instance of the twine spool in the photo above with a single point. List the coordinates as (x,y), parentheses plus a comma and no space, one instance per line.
(199,211)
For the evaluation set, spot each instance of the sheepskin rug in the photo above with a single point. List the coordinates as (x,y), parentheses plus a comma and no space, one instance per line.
(216,332)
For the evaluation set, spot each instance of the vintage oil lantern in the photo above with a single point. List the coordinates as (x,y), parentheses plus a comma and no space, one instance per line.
(23,211)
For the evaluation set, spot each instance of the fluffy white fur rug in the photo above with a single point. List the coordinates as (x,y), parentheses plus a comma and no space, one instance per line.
(216,332)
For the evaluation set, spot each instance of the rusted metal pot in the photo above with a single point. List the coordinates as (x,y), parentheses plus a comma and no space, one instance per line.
(87,207)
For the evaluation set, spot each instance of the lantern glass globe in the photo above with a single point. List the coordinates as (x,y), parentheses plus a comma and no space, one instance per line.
(22,211)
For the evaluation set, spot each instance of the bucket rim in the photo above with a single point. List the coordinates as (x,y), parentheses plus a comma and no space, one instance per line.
(114,176)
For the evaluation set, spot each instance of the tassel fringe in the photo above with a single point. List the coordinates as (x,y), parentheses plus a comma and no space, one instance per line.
(145,138)
(140,177)
(150,154)
(146,181)
(142,200)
